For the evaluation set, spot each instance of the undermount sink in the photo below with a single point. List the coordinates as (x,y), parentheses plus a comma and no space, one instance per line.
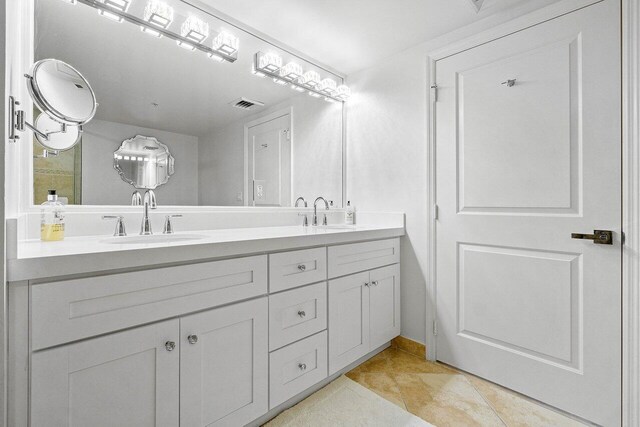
(154,238)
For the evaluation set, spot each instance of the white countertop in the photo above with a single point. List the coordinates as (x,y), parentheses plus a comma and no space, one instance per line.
(88,254)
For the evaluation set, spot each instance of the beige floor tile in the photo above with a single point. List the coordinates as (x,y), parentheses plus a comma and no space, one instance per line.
(393,360)
(380,383)
(517,411)
(445,400)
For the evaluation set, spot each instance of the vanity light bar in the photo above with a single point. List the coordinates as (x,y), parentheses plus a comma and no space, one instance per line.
(226,43)
(158,13)
(114,6)
(270,64)
(195,31)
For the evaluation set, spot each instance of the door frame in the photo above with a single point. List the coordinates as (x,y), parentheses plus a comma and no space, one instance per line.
(266,118)
(482,33)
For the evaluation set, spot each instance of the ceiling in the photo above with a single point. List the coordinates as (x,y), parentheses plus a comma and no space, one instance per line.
(349,35)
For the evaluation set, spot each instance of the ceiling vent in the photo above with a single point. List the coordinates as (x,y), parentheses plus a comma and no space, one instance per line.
(477,4)
(246,104)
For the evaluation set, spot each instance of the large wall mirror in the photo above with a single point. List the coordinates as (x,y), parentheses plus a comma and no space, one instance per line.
(235,139)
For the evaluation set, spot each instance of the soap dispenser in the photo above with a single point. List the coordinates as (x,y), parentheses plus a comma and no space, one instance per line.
(52,218)
(349,214)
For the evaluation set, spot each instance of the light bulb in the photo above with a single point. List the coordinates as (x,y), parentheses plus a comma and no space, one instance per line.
(279,81)
(309,79)
(226,42)
(269,62)
(343,92)
(327,87)
(291,71)
(194,29)
(314,95)
(119,5)
(297,88)
(158,13)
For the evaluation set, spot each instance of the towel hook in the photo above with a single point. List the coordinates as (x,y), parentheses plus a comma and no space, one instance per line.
(509,83)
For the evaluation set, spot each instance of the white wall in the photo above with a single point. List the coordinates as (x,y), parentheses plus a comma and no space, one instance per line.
(101,183)
(387,152)
(317,154)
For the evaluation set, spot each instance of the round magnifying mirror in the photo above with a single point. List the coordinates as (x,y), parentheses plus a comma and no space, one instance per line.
(60,91)
(66,99)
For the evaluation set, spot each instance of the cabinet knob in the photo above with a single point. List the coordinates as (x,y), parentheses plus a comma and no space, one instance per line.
(374,283)
(367,284)
(302,366)
(302,267)
(301,313)
(170,345)
(192,339)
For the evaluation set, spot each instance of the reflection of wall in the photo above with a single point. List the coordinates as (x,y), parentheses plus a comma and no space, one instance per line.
(62,173)
(317,154)
(101,184)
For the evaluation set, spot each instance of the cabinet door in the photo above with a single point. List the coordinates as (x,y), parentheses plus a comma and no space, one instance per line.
(224,374)
(123,379)
(384,305)
(348,320)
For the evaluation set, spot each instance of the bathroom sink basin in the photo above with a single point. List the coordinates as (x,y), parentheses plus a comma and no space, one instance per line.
(154,238)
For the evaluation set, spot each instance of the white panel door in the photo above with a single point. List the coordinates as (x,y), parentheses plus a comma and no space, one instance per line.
(522,165)
(348,320)
(224,366)
(128,378)
(384,305)
(269,163)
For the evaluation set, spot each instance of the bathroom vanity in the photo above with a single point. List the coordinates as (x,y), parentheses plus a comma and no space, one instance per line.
(250,325)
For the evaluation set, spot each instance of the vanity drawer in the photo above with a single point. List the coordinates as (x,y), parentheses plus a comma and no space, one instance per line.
(74,309)
(348,259)
(296,367)
(297,314)
(296,268)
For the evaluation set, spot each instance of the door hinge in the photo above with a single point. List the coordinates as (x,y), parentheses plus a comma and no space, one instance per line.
(435,328)
(434,88)
(435,212)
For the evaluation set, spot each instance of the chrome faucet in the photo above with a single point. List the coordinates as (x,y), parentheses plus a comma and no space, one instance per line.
(136,198)
(315,211)
(305,221)
(149,203)
(120,229)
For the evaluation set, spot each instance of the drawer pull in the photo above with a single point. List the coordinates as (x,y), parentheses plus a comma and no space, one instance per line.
(302,267)
(192,339)
(301,313)
(302,366)
(170,345)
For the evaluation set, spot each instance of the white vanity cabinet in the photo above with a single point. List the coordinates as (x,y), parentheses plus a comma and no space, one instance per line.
(364,313)
(215,343)
(224,365)
(127,378)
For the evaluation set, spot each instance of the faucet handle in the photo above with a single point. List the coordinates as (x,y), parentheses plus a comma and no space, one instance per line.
(305,220)
(168,227)
(120,229)
(324,220)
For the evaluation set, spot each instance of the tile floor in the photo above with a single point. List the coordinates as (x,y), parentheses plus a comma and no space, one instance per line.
(445,397)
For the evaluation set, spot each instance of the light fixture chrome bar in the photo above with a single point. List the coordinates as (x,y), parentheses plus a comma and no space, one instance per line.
(167,33)
(277,76)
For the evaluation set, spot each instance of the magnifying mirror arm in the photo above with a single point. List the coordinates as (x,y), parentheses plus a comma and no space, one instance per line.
(20,123)
(45,136)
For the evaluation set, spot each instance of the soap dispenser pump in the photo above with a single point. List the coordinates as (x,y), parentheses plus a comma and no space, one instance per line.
(349,214)
(52,218)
